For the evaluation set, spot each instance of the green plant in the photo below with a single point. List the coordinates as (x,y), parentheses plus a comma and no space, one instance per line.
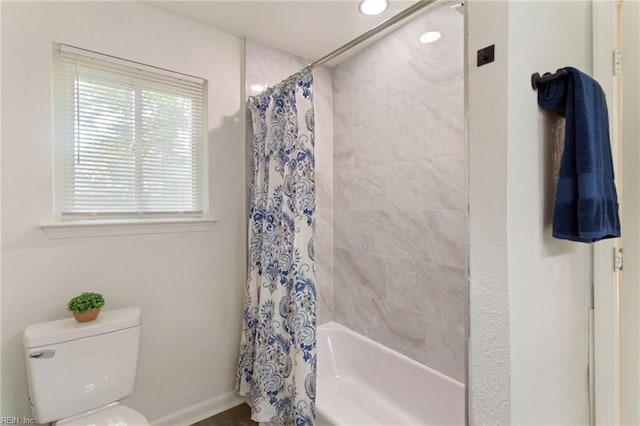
(86,302)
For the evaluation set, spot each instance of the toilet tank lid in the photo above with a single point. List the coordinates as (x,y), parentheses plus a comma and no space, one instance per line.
(64,330)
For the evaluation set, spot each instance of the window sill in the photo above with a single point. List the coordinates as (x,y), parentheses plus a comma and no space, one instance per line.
(104,228)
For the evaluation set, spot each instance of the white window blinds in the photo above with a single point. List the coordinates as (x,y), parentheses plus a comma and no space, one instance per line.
(130,139)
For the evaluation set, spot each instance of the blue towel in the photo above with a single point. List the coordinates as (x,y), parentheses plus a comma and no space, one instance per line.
(586,207)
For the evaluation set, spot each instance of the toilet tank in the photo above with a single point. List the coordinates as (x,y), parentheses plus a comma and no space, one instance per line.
(75,367)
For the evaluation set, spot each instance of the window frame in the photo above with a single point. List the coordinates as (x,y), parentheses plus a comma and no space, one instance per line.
(109,218)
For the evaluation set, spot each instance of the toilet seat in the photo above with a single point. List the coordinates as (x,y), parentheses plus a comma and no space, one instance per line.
(114,414)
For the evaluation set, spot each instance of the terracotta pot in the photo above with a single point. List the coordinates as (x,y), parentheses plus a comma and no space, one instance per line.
(86,316)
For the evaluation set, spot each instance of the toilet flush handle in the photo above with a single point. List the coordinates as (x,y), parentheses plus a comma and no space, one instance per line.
(48,353)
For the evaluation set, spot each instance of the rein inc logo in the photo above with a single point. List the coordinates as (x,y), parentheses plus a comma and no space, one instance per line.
(15,420)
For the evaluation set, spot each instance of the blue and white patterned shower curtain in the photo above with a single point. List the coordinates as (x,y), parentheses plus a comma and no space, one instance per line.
(277,364)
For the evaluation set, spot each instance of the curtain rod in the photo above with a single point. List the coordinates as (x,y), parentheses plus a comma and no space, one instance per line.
(375,30)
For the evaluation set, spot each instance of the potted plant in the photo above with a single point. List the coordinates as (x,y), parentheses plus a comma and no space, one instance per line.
(86,306)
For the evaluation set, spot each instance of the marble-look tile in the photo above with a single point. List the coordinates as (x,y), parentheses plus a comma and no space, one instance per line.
(348,75)
(402,138)
(324,298)
(427,79)
(400,227)
(423,184)
(363,188)
(401,45)
(340,116)
(404,44)
(445,347)
(447,291)
(426,287)
(363,105)
(324,228)
(323,109)
(444,126)
(448,231)
(380,141)
(429,236)
(427,184)
(324,245)
(400,328)
(355,311)
(445,19)
(394,233)
(407,284)
(421,133)
(342,76)
(347,234)
(268,65)
(362,97)
(255,78)
(343,151)
(444,57)
(411,86)
(324,185)
(361,273)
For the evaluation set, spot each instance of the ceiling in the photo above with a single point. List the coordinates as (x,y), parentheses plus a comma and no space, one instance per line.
(308,28)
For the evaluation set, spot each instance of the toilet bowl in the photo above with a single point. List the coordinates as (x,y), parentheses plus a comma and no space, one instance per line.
(78,372)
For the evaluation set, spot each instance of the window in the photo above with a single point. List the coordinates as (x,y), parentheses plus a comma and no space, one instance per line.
(129,139)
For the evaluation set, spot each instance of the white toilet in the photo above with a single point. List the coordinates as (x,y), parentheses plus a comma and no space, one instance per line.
(78,371)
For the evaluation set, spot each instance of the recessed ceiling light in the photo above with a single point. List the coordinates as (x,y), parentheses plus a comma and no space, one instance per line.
(373,7)
(430,37)
(257,88)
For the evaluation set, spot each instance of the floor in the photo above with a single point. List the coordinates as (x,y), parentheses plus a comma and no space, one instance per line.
(237,416)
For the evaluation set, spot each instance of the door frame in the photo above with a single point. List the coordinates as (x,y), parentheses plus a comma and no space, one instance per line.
(605,368)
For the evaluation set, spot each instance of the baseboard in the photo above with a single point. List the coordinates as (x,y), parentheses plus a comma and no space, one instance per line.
(201,411)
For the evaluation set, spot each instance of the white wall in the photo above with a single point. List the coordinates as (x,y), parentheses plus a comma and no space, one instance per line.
(528,323)
(189,285)
(489,346)
(549,279)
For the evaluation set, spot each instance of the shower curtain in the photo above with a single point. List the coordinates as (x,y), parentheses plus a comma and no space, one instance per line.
(277,363)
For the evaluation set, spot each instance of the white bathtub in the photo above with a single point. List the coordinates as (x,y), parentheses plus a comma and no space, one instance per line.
(361,382)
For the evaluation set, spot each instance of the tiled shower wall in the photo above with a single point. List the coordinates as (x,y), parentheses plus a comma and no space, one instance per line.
(391,137)
(268,66)
(400,236)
